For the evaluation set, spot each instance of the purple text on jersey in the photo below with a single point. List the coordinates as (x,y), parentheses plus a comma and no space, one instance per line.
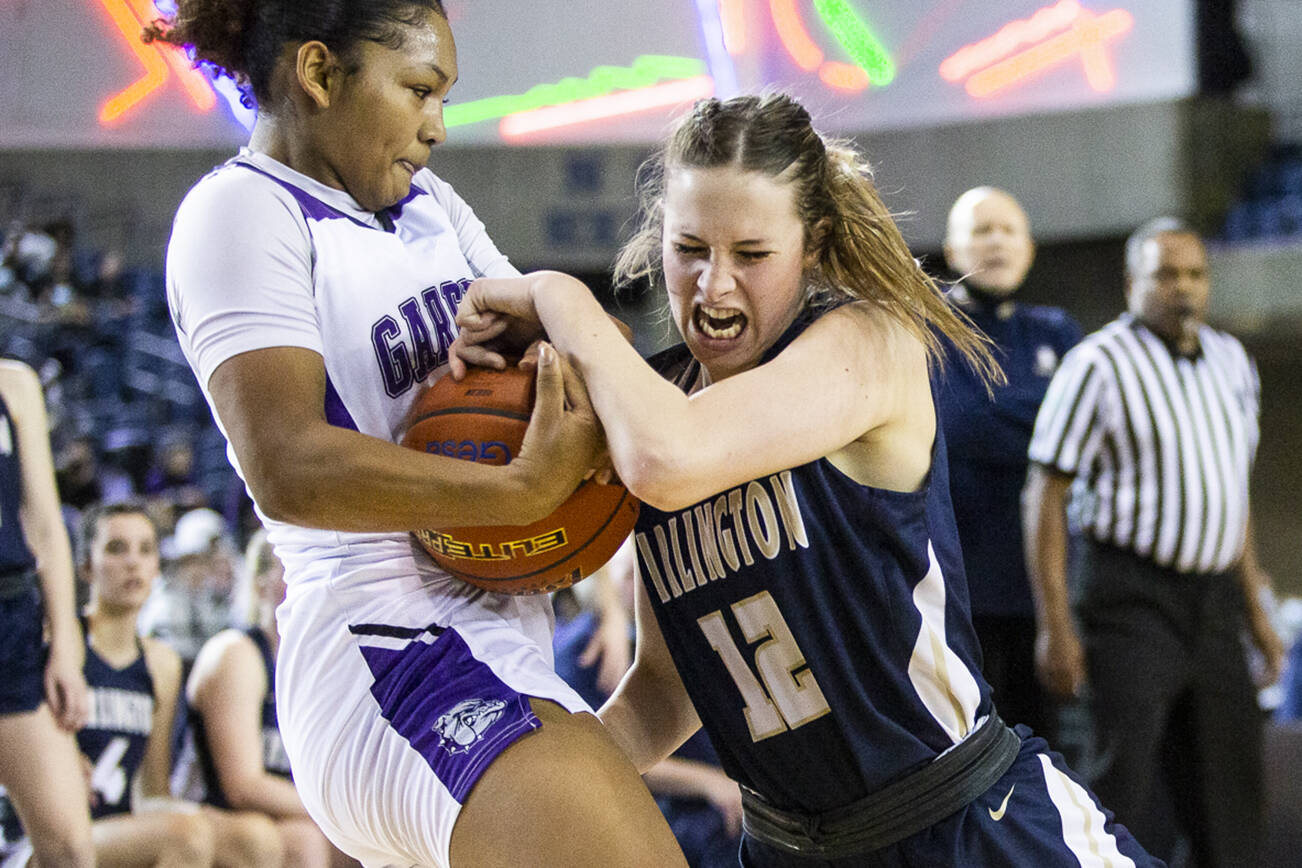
(412,345)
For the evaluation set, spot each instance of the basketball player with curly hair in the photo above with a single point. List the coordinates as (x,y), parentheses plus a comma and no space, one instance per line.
(313,281)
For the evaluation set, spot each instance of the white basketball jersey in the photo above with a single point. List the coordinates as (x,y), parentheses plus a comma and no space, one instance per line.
(262,256)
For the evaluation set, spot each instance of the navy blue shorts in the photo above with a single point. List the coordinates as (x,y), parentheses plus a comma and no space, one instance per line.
(1039,813)
(22,652)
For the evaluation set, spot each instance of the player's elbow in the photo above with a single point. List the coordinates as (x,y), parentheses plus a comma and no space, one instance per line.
(283,492)
(657,478)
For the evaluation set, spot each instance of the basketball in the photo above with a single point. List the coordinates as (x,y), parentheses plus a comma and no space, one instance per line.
(483,418)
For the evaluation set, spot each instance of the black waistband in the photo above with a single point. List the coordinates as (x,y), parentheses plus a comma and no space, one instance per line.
(952,781)
(14,583)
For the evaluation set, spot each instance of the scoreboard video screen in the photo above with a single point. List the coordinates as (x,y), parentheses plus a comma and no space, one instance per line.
(74,74)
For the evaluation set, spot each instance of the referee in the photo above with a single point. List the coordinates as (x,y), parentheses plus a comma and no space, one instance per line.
(1151,425)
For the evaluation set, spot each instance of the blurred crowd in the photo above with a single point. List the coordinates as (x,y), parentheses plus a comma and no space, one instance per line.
(127,419)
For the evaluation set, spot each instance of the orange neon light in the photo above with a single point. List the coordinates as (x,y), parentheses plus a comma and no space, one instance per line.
(843,76)
(794,37)
(155,67)
(1087,38)
(733,15)
(671,93)
(1009,39)
(156,60)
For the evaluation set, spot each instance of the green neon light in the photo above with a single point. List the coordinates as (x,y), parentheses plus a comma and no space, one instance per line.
(858,41)
(646,70)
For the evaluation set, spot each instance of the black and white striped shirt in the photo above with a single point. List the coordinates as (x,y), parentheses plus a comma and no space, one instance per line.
(1161,445)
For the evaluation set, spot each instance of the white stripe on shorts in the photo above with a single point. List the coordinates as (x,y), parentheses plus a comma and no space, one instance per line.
(1083,823)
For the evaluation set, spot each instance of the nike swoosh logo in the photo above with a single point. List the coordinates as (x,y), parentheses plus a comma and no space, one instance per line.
(999,814)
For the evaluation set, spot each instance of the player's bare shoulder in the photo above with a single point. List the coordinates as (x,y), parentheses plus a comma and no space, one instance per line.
(161,659)
(19,383)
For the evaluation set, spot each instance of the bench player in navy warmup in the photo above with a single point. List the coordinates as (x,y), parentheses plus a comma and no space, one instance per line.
(803,593)
(42,692)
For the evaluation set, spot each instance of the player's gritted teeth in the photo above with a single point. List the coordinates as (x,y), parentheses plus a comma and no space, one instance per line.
(719,323)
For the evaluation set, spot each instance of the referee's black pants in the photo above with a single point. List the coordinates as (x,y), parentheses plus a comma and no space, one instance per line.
(1177,729)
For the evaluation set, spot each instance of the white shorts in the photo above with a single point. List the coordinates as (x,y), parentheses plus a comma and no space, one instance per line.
(391,716)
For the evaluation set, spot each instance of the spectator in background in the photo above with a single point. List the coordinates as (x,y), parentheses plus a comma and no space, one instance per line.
(1154,419)
(43,697)
(108,289)
(84,479)
(193,602)
(701,803)
(988,244)
(11,278)
(28,258)
(171,476)
(58,287)
(233,756)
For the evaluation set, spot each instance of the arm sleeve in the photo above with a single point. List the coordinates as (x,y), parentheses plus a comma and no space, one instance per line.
(1071,419)
(480,251)
(239,271)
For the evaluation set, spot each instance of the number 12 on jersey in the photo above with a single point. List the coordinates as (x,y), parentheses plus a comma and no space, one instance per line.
(781,697)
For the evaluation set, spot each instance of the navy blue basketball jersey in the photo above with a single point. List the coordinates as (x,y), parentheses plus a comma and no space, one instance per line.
(197,773)
(117,731)
(15,556)
(821,626)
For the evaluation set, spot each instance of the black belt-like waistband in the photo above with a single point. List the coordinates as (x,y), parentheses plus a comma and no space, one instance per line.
(14,583)
(944,786)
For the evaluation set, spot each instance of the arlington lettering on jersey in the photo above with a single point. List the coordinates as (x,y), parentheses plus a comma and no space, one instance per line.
(718,537)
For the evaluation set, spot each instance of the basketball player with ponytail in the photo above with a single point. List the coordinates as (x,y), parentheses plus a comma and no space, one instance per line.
(313,280)
(802,595)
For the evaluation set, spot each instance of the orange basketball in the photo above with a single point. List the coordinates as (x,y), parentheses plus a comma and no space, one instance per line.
(483,418)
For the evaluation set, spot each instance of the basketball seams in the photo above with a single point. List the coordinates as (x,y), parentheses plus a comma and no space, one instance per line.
(482,411)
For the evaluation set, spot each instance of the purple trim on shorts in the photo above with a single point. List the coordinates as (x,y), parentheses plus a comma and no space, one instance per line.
(335,411)
(449,706)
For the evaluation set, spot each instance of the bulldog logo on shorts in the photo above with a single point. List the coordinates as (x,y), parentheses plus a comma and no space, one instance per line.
(464,724)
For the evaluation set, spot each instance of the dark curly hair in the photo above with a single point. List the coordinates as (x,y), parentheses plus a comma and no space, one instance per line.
(243,38)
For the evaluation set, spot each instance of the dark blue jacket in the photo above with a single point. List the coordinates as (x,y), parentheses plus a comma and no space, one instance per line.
(988,439)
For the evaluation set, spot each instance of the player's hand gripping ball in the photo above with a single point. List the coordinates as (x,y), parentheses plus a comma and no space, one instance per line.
(483,418)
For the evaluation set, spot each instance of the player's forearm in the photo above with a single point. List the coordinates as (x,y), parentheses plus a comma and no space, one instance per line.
(675,776)
(1044,511)
(267,794)
(649,431)
(1254,580)
(342,480)
(647,720)
(55,576)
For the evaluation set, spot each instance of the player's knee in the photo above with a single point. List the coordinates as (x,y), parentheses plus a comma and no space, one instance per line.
(254,842)
(189,840)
